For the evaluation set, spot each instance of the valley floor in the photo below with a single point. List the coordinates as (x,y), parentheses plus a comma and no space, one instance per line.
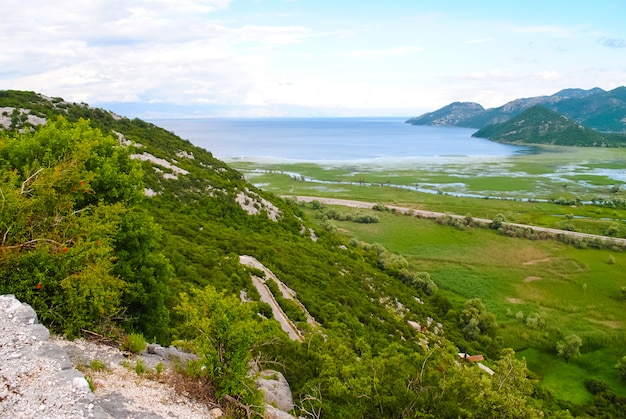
(433,214)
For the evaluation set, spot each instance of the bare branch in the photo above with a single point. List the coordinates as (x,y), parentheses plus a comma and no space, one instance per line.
(28,243)
(6,233)
(22,191)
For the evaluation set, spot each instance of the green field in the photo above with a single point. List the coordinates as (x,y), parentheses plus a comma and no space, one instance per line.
(573,290)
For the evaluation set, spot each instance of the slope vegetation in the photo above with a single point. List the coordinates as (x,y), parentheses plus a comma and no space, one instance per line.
(538,125)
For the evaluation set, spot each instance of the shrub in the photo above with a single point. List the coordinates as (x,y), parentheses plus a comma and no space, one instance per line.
(316,205)
(225,333)
(365,219)
(158,369)
(535,321)
(596,386)
(380,207)
(140,367)
(422,280)
(497,222)
(134,343)
(570,347)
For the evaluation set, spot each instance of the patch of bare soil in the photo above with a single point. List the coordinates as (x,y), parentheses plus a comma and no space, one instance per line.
(534,262)
(514,300)
(532,278)
(610,323)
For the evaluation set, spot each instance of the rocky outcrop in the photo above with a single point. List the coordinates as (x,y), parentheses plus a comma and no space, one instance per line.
(275,389)
(37,379)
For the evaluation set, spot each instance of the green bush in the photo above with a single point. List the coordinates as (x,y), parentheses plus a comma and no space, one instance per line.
(596,386)
(134,343)
(140,367)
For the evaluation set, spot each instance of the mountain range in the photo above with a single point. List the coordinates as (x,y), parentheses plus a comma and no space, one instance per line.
(596,109)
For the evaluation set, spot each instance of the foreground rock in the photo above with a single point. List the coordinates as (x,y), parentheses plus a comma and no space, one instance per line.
(276,390)
(38,378)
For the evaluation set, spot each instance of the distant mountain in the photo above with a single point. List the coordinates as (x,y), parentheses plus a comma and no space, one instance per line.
(602,111)
(453,114)
(595,108)
(538,125)
(577,93)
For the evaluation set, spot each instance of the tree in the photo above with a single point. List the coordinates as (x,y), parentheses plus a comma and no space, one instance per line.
(497,221)
(475,320)
(570,348)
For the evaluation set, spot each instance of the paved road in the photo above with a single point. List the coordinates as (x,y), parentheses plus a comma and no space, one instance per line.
(433,214)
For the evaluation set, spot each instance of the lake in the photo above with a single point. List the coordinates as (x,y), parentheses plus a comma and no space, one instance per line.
(332,139)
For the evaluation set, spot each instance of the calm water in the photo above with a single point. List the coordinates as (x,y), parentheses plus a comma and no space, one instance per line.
(331,139)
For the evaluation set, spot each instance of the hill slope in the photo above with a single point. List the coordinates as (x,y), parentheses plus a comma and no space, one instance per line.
(539,125)
(114,226)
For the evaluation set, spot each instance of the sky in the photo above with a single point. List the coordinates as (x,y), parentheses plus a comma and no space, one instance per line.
(235,58)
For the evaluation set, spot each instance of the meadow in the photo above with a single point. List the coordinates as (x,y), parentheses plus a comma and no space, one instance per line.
(572,290)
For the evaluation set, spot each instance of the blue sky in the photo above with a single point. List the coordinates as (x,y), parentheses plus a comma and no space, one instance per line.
(152,58)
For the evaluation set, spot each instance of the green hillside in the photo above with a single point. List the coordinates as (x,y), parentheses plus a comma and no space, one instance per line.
(603,111)
(116,226)
(538,125)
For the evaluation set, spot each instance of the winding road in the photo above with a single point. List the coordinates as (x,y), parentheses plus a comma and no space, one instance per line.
(434,215)
(266,296)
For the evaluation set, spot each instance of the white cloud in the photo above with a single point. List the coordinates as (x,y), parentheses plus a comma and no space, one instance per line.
(162,50)
(548,75)
(272,35)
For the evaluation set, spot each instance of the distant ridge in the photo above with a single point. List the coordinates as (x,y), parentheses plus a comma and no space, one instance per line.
(453,114)
(594,108)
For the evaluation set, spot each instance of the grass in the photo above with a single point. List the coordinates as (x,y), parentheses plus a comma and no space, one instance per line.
(562,379)
(574,290)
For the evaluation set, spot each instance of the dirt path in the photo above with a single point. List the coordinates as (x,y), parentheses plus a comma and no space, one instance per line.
(433,214)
